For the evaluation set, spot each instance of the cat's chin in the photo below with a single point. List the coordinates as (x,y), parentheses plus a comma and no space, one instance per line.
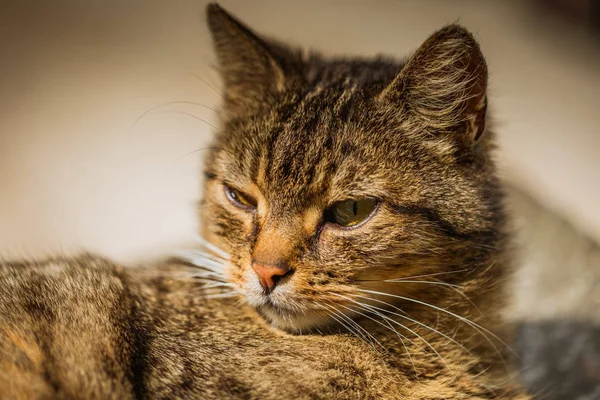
(291,321)
(282,309)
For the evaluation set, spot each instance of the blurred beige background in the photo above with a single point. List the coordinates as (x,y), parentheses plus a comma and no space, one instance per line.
(75,75)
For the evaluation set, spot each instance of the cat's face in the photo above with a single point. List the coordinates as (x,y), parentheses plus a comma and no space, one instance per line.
(328,180)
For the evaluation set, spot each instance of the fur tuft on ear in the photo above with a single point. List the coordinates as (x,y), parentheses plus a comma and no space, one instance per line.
(249,68)
(444,85)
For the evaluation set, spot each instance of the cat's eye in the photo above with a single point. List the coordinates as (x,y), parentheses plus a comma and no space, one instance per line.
(239,199)
(351,213)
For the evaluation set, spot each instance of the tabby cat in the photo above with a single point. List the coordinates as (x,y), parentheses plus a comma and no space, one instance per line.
(355,247)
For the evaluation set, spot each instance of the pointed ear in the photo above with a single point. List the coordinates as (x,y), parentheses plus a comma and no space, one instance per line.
(249,68)
(443,85)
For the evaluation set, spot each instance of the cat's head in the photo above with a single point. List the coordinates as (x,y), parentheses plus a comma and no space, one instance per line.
(328,179)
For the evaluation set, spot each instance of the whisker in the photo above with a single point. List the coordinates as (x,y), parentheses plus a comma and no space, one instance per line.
(475,326)
(367,333)
(370,308)
(196,151)
(210,256)
(210,292)
(205,274)
(200,278)
(422,276)
(348,328)
(187,114)
(221,295)
(400,336)
(213,248)
(209,85)
(213,284)
(403,326)
(199,270)
(295,306)
(456,288)
(413,321)
(169,103)
(199,260)
(438,274)
(223,117)
(363,305)
(206,282)
(368,338)
(400,280)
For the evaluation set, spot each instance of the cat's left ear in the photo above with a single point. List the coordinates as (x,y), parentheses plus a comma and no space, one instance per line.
(443,86)
(251,69)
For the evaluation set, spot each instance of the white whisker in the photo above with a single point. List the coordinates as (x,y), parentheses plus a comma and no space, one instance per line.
(400,336)
(348,328)
(412,320)
(400,280)
(213,248)
(456,288)
(208,274)
(200,259)
(363,306)
(368,339)
(475,326)
(221,295)
(372,338)
(435,274)
(211,256)
(214,284)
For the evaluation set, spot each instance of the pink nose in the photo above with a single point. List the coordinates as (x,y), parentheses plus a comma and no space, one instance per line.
(269,275)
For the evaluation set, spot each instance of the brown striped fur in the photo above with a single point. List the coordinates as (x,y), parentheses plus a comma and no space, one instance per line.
(300,133)
(104,331)
(304,132)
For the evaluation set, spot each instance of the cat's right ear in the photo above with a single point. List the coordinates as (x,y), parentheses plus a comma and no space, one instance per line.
(251,71)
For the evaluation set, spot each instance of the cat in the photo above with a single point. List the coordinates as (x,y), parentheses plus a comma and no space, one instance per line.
(354,245)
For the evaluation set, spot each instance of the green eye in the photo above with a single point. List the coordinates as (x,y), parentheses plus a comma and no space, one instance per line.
(351,212)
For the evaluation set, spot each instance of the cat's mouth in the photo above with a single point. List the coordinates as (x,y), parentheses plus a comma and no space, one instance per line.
(274,305)
(282,308)
(287,315)
(289,319)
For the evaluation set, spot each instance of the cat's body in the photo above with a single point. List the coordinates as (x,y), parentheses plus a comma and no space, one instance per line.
(355,205)
(96,330)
